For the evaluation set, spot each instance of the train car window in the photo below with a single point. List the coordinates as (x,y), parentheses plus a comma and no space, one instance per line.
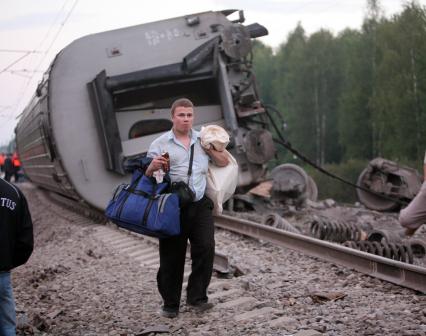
(201,92)
(148,127)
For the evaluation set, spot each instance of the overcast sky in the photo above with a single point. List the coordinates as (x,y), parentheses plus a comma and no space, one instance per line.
(40,29)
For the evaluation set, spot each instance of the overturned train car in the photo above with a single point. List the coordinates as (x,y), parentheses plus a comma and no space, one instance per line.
(106,97)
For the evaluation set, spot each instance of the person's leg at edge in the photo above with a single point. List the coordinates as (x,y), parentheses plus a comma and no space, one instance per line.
(414,215)
(7,306)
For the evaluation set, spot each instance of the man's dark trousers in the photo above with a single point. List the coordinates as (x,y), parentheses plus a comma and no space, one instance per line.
(197,225)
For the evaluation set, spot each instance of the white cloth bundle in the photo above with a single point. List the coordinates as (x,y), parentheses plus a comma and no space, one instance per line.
(221,181)
(213,135)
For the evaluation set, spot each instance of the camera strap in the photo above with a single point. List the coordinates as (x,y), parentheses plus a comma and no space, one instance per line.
(191,158)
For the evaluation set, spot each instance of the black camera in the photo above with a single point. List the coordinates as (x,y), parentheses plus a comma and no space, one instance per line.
(184,192)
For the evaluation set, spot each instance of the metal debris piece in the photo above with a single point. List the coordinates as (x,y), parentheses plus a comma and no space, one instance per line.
(236,41)
(262,189)
(418,247)
(389,179)
(398,252)
(259,146)
(385,235)
(41,323)
(334,230)
(158,329)
(291,182)
(308,332)
(275,220)
(221,263)
(321,297)
(54,313)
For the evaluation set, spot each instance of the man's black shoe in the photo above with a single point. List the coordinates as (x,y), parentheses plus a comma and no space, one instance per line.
(201,307)
(169,313)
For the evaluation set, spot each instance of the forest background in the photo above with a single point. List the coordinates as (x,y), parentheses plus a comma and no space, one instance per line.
(349,98)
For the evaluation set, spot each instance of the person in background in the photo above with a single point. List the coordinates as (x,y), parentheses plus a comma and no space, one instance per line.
(9,170)
(16,246)
(414,215)
(197,224)
(2,158)
(16,166)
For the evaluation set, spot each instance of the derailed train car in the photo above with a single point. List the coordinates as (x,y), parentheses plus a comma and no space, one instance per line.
(106,96)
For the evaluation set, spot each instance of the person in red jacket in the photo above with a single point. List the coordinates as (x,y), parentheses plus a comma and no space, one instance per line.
(8,167)
(2,157)
(16,166)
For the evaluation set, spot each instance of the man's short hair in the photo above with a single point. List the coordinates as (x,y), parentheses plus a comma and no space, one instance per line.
(182,102)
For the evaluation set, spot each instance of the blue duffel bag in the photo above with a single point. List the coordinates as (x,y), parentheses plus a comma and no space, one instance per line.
(143,207)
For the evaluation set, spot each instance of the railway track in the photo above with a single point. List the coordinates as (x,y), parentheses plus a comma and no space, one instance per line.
(103,282)
(403,274)
(399,273)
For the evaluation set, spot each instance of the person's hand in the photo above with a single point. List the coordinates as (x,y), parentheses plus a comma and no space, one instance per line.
(210,148)
(156,163)
(220,159)
(207,149)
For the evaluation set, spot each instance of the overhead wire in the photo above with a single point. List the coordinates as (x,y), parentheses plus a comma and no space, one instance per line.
(23,70)
(36,50)
(19,73)
(21,95)
(14,62)
(49,47)
(37,68)
(4,107)
(61,27)
(20,51)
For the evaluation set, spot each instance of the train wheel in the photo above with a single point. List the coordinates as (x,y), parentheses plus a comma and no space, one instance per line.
(370,200)
(312,189)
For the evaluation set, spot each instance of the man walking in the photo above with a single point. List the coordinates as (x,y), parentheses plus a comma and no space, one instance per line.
(16,246)
(196,218)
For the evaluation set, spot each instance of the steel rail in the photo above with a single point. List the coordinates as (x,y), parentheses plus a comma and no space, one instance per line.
(402,274)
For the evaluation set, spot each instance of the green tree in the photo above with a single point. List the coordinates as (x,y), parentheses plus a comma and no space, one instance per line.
(323,79)
(355,127)
(400,100)
(370,26)
(288,89)
(263,66)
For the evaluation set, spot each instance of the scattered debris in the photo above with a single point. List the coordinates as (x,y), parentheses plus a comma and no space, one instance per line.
(158,329)
(319,297)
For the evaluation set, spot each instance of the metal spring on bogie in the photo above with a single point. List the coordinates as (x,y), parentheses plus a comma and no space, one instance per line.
(276,221)
(398,252)
(333,230)
(418,247)
(387,236)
